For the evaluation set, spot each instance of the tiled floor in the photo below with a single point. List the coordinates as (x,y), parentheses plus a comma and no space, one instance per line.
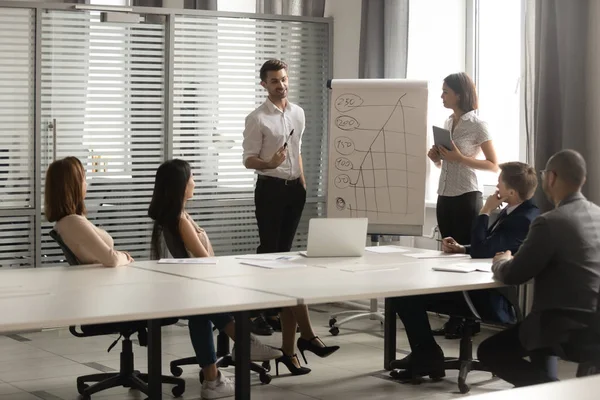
(44,365)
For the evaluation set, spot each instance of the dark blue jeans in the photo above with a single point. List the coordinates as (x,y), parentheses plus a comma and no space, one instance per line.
(201,334)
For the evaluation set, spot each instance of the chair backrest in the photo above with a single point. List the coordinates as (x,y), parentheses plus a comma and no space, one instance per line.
(174,245)
(71,258)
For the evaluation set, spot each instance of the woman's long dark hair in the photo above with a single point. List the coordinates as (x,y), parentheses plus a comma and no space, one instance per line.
(167,204)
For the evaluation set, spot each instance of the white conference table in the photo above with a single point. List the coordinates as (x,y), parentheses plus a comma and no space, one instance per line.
(324,280)
(20,281)
(118,297)
(585,388)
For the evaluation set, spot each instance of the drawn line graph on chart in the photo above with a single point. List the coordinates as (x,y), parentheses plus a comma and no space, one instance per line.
(373,179)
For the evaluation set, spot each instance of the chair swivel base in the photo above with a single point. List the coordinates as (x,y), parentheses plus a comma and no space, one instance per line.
(126,377)
(134,380)
(334,324)
(223,362)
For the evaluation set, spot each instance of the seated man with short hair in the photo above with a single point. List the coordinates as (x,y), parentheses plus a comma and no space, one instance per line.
(516,185)
(562,255)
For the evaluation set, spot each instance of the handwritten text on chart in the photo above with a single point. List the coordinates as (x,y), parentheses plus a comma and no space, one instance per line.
(347,102)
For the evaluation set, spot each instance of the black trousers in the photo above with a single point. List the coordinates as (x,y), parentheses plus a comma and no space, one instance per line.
(456,215)
(279,205)
(412,310)
(504,355)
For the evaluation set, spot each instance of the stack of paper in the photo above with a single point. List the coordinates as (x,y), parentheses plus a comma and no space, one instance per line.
(471,267)
(385,249)
(277,264)
(436,254)
(268,257)
(203,260)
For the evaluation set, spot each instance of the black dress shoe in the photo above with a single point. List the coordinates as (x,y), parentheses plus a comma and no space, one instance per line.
(456,331)
(439,332)
(453,329)
(401,364)
(260,327)
(421,362)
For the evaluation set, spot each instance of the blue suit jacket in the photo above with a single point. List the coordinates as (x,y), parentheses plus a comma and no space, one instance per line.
(507,233)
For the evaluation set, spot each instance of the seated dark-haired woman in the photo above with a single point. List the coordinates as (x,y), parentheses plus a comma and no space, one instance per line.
(173,186)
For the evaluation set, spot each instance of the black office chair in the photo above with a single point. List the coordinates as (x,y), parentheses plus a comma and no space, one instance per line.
(465,362)
(127,375)
(177,249)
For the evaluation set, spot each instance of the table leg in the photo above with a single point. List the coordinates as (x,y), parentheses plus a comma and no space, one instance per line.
(242,355)
(389,341)
(154,360)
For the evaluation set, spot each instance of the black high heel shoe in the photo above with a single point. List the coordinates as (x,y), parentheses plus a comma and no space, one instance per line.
(287,361)
(322,352)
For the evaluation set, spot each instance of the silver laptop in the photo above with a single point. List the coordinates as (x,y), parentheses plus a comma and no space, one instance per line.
(336,237)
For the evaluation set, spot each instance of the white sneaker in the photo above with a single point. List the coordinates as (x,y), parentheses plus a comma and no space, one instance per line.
(219,388)
(260,351)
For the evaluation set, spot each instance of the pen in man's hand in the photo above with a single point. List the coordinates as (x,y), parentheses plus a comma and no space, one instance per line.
(288,138)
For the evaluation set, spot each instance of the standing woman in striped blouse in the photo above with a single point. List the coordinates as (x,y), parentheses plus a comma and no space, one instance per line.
(459,192)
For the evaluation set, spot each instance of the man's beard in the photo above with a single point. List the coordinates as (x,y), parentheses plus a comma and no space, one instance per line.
(279,95)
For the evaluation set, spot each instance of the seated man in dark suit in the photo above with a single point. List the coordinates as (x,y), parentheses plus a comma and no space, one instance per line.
(516,185)
(504,234)
(562,255)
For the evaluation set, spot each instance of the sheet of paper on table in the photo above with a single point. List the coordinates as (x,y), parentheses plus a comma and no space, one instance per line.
(274,264)
(471,267)
(201,260)
(385,249)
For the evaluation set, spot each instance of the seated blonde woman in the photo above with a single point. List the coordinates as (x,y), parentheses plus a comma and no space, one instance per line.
(64,196)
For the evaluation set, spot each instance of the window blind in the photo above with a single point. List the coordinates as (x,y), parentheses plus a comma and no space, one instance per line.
(216,84)
(102,99)
(103,102)
(17,117)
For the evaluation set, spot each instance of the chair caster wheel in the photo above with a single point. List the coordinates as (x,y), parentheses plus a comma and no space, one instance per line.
(334,331)
(332,322)
(176,371)
(463,387)
(178,390)
(266,365)
(265,378)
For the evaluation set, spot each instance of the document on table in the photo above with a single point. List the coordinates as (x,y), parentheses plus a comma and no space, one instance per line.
(274,264)
(268,257)
(385,249)
(436,254)
(470,267)
(202,260)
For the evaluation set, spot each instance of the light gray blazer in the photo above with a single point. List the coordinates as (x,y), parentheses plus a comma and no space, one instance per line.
(562,255)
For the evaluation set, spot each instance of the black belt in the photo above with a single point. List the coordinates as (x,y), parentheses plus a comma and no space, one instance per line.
(279,180)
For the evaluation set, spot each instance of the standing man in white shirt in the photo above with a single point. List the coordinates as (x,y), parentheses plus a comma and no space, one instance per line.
(272,142)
